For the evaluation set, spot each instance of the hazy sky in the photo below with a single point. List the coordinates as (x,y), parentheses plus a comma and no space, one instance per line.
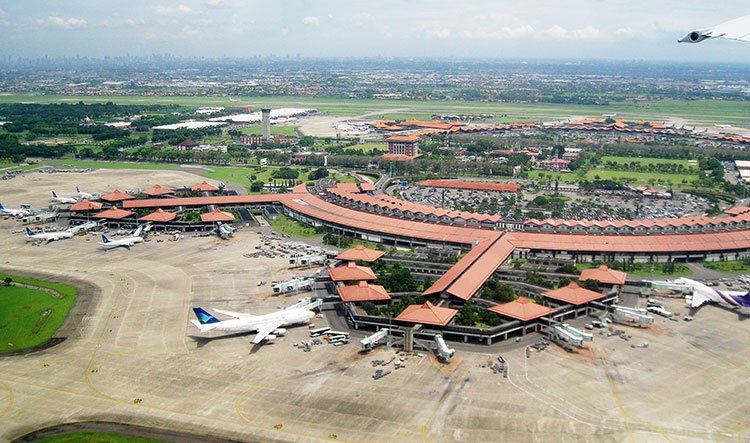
(624,29)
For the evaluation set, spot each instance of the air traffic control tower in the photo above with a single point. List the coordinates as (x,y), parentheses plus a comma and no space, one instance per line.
(265,114)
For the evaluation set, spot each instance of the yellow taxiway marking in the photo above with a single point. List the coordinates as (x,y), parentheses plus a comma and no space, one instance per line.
(10,398)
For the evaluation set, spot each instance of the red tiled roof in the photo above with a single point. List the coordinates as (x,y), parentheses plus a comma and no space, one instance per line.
(217,216)
(117,196)
(86,205)
(351,272)
(367,187)
(504,187)
(522,309)
(398,157)
(159,216)
(113,214)
(359,252)
(347,187)
(573,294)
(737,210)
(428,314)
(205,186)
(604,275)
(468,283)
(203,201)
(157,190)
(362,292)
(403,138)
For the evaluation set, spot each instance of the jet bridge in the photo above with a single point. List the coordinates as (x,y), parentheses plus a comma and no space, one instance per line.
(85,227)
(653,287)
(295,284)
(308,260)
(566,335)
(631,316)
(369,342)
(308,303)
(443,351)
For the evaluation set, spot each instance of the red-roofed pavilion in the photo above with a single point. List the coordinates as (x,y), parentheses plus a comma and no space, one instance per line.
(159,216)
(156,190)
(522,309)
(359,252)
(362,292)
(85,205)
(117,196)
(113,214)
(205,187)
(573,294)
(427,314)
(604,275)
(217,216)
(351,272)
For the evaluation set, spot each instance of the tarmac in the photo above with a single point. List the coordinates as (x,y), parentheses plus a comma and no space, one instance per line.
(131,356)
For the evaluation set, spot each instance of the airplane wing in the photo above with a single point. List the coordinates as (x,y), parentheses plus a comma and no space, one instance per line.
(697,299)
(737,29)
(232,313)
(264,330)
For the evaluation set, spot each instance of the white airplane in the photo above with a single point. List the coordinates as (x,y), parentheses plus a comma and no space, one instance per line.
(737,29)
(20,212)
(268,326)
(126,242)
(63,200)
(705,294)
(83,195)
(47,236)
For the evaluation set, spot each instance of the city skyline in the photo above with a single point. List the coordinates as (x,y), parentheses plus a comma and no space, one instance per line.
(477,29)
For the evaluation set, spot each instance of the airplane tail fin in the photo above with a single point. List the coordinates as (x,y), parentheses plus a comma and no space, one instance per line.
(78,190)
(54,195)
(138,231)
(29,231)
(204,317)
(1,207)
(105,239)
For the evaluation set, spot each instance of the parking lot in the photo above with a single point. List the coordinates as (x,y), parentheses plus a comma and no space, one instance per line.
(133,357)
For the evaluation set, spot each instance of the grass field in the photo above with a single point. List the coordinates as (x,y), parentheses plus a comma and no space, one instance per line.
(288,131)
(30,317)
(649,161)
(291,227)
(109,165)
(95,437)
(731,267)
(695,111)
(642,178)
(368,147)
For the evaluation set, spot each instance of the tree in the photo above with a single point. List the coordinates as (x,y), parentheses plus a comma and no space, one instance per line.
(256,186)
(590,284)
(307,141)
(318,174)
(8,281)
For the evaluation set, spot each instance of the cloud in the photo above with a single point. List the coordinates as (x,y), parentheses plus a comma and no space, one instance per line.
(2,14)
(213,3)
(528,31)
(441,33)
(284,31)
(177,11)
(587,33)
(504,33)
(62,23)
(311,21)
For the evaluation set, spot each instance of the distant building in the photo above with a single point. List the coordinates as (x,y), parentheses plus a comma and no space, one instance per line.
(407,145)
(277,139)
(187,145)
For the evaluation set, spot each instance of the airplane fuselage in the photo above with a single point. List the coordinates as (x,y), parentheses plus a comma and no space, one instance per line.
(251,324)
(123,242)
(703,293)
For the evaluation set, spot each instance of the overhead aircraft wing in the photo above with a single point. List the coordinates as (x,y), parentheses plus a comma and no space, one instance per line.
(264,330)
(737,29)
(233,314)
(698,299)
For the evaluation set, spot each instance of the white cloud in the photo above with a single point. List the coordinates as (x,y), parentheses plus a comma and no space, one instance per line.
(284,31)
(311,21)
(62,23)
(587,33)
(177,11)
(213,3)
(504,33)
(624,32)
(441,33)
(2,14)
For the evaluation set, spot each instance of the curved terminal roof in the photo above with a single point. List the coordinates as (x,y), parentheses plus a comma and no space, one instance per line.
(481,186)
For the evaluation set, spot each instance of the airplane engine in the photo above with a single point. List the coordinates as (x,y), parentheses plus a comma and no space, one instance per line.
(270,337)
(280,332)
(695,37)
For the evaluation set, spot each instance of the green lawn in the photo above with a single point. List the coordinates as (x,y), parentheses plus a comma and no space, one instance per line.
(642,178)
(291,227)
(95,437)
(563,177)
(368,147)
(695,111)
(648,161)
(731,267)
(30,317)
(93,164)
(288,131)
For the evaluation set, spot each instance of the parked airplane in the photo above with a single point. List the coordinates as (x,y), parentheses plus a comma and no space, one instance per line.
(47,236)
(737,29)
(703,294)
(267,326)
(20,212)
(126,242)
(83,195)
(63,200)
